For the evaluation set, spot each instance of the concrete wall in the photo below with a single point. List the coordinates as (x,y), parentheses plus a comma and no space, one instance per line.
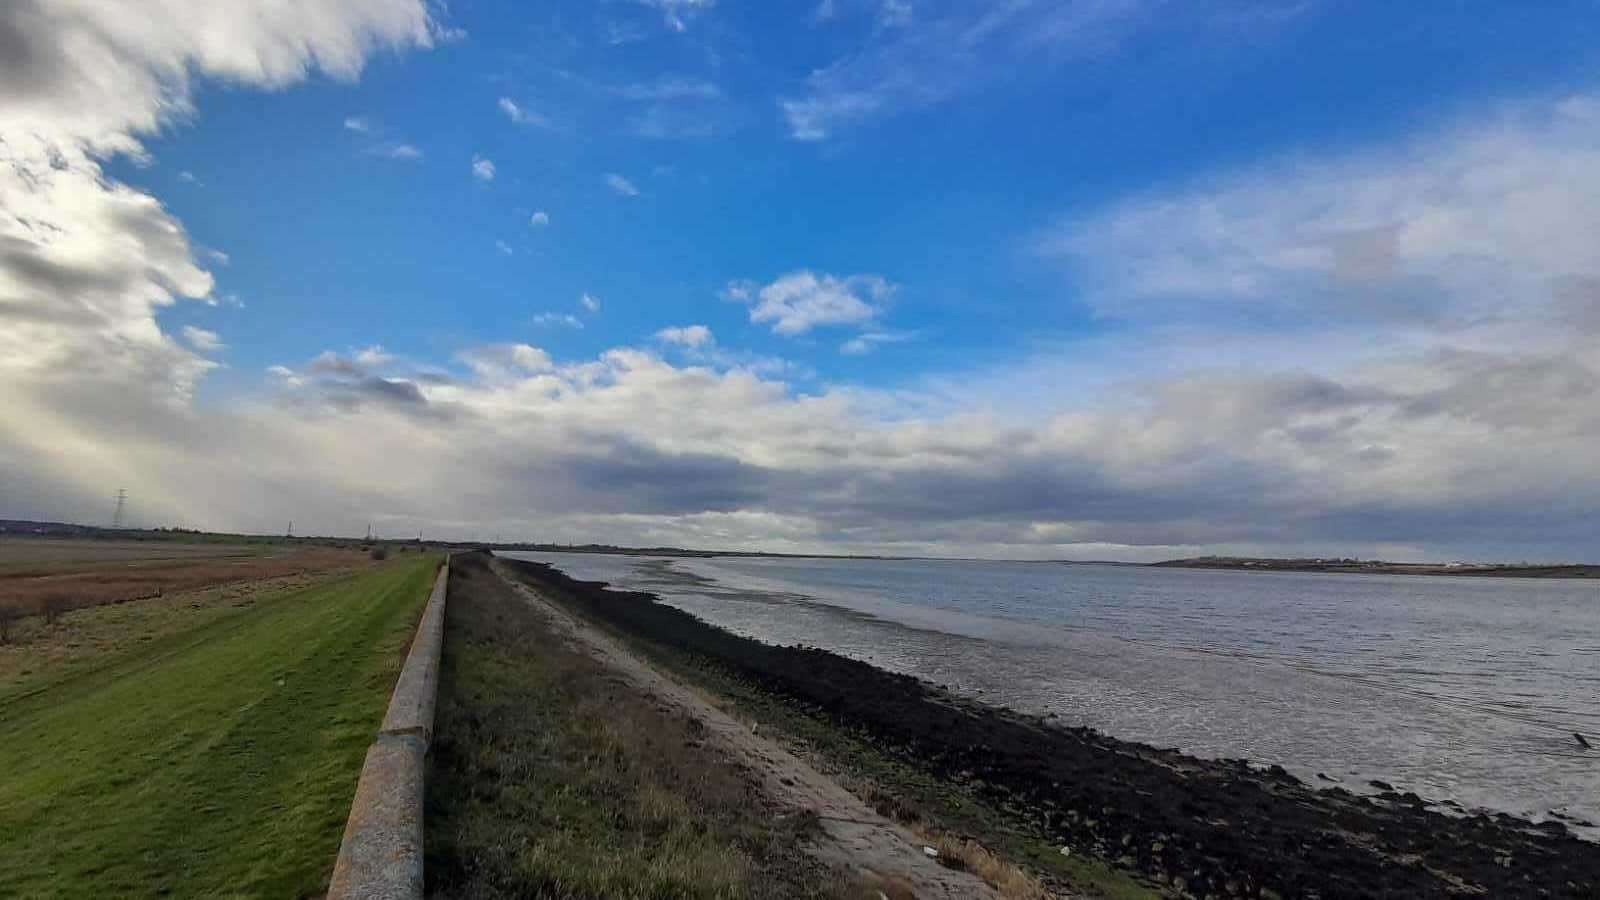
(381,856)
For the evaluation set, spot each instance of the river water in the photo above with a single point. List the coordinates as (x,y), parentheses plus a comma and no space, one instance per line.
(1457,688)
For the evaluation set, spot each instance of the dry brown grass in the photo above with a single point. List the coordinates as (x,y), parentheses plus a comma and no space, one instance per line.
(54,586)
(8,622)
(958,852)
(552,777)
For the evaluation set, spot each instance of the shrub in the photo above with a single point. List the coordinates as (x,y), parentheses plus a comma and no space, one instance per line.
(53,606)
(380,552)
(8,620)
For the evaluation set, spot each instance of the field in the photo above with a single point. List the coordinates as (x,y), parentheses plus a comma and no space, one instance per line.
(46,577)
(209,744)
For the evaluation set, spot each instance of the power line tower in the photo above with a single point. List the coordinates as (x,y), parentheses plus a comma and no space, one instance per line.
(290,532)
(122,503)
(369,532)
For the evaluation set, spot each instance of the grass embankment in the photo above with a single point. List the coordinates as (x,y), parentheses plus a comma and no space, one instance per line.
(553,778)
(218,760)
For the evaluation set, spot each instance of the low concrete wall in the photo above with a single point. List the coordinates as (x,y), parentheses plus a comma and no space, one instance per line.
(381,855)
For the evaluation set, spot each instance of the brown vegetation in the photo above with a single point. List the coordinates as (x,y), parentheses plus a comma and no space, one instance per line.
(553,777)
(59,583)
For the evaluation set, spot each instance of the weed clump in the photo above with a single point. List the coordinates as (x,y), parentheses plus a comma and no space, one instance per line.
(53,606)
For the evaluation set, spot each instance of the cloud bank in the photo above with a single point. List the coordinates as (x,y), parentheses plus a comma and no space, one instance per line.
(1468,429)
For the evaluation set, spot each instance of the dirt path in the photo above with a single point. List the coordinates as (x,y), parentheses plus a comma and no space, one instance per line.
(855,837)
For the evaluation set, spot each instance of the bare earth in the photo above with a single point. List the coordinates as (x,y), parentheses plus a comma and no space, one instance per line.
(856,838)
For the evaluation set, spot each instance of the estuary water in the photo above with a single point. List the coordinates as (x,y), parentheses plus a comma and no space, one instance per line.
(1458,688)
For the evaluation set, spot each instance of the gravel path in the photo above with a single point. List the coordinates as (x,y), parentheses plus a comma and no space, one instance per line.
(854,836)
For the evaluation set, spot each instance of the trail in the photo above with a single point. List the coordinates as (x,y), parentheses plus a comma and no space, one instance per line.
(855,837)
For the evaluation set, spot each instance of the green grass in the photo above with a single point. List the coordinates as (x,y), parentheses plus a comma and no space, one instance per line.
(41,657)
(219,761)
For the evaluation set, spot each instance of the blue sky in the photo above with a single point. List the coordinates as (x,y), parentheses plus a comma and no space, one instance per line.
(941,200)
(1121,278)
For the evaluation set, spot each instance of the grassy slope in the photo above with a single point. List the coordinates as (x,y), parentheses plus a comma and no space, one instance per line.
(218,761)
(84,641)
(552,778)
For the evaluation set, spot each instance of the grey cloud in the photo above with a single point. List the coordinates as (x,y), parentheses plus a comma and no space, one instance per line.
(629,477)
(25,65)
(393,390)
(330,363)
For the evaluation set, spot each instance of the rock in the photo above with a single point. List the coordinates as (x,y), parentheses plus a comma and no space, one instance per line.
(1065,850)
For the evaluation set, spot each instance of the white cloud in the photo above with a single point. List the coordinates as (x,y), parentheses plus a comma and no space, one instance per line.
(539,219)
(803,300)
(188,176)
(670,88)
(218,257)
(391,149)
(567,319)
(863,344)
(400,151)
(590,303)
(202,340)
(86,261)
(482,169)
(1489,218)
(916,61)
(505,248)
(521,115)
(694,337)
(678,13)
(1476,452)
(895,13)
(505,362)
(621,186)
(373,357)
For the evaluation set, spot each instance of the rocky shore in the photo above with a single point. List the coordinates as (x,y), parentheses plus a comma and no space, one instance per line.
(1195,827)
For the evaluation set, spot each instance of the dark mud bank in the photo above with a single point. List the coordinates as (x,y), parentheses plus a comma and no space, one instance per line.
(1223,827)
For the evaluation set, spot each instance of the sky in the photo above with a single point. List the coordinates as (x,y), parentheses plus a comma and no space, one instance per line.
(1111,279)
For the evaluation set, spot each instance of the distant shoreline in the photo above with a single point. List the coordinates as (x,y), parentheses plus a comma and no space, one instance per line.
(25,529)
(1378,567)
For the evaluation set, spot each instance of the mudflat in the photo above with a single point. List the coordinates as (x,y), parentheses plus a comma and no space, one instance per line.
(1219,827)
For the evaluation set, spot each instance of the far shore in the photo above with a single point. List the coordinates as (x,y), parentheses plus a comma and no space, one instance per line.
(1380,567)
(15,530)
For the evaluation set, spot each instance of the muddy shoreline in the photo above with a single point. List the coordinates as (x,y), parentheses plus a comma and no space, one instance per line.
(1218,827)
